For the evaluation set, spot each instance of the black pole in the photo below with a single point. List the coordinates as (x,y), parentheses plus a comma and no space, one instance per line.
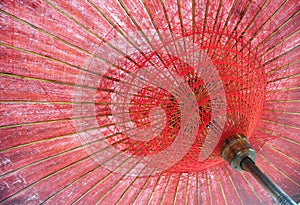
(275,191)
(237,151)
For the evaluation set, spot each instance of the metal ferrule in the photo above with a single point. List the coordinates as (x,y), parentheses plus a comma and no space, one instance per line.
(235,149)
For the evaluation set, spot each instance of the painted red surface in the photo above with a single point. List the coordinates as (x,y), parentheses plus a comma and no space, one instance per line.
(46,47)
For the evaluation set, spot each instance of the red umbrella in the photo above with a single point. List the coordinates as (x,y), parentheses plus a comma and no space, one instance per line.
(129,102)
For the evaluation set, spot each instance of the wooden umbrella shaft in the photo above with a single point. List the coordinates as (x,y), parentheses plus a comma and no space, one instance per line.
(274,190)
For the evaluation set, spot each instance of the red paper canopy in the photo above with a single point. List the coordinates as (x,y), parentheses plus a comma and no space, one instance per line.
(122,102)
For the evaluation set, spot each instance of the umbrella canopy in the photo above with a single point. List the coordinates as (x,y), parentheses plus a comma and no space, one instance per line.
(128,102)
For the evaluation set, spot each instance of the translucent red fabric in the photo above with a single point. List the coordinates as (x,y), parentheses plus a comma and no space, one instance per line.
(127,102)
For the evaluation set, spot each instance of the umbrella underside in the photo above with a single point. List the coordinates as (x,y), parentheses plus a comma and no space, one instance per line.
(106,102)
